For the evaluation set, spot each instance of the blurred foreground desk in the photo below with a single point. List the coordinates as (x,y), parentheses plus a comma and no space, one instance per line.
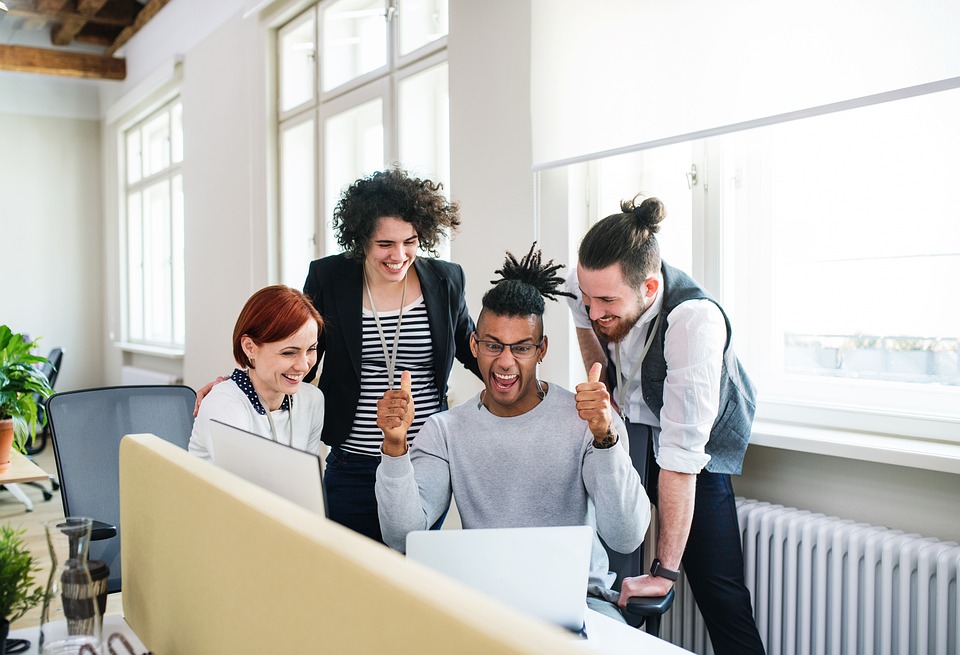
(21,470)
(214,564)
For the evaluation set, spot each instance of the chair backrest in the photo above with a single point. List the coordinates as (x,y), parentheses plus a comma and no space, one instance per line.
(52,368)
(87,426)
(641,453)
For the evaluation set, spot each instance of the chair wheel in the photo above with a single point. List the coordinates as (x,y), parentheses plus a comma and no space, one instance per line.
(54,485)
(47,495)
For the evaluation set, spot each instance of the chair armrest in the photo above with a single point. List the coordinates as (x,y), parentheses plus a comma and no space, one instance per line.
(650,605)
(102,530)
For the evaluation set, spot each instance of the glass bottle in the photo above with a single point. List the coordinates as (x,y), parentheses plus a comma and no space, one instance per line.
(72,614)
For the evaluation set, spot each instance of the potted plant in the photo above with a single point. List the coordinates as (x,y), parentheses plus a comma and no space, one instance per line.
(18,594)
(22,388)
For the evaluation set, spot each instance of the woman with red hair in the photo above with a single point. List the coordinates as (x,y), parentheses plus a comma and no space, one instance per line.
(275,344)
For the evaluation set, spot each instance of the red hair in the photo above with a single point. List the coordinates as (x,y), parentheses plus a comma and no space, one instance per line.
(272,314)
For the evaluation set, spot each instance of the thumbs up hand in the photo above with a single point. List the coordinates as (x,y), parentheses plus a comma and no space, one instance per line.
(593,405)
(395,413)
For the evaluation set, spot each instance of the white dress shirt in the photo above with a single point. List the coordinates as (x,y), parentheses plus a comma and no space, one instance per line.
(693,349)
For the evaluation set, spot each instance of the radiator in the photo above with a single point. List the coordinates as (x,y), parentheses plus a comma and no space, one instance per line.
(134,375)
(824,585)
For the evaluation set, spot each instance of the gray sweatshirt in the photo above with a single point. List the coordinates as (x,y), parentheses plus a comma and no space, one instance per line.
(537,469)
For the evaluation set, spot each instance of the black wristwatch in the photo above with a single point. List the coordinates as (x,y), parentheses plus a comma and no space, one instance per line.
(658,570)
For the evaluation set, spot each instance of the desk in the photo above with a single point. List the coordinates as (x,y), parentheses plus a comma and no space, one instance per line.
(608,636)
(111,623)
(604,635)
(21,470)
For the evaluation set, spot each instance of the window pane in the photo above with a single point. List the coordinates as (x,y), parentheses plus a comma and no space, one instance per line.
(134,267)
(156,144)
(660,173)
(354,40)
(859,234)
(421,22)
(353,147)
(298,58)
(425,125)
(176,128)
(297,204)
(157,282)
(133,157)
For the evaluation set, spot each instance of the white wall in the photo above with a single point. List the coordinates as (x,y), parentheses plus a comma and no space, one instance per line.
(490,155)
(51,248)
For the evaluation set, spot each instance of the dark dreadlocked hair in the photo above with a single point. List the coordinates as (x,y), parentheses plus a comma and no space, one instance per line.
(523,285)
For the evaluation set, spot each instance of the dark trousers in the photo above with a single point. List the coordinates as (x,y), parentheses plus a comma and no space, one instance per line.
(350,480)
(713,564)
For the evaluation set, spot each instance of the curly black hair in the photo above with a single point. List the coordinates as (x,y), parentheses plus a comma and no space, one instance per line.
(393,193)
(523,285)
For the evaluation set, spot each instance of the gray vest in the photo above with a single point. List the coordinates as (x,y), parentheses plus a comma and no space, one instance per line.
(731,430)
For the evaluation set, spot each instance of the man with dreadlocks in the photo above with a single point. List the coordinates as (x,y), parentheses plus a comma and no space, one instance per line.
(522,453)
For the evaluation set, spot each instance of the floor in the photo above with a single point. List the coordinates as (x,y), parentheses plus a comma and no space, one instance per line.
(14,513)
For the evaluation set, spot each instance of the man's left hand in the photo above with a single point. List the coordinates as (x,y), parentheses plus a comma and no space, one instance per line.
(644,585)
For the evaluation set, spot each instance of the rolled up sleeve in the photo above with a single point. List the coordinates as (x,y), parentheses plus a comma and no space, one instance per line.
(693,347)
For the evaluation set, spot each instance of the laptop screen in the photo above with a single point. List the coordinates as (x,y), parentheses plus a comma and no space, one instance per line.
(540,571)
(294,474)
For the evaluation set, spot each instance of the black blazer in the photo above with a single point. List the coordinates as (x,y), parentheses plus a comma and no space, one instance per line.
(335,284)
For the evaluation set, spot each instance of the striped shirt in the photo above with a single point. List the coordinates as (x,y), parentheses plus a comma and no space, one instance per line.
(414,354)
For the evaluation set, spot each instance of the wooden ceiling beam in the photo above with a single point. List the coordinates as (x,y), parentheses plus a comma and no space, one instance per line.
(66,64)
(86,9)
(50,6)
(64,16)
(149,11)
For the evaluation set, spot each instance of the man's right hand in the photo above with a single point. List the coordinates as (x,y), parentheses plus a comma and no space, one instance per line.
(395,413)
(204,390)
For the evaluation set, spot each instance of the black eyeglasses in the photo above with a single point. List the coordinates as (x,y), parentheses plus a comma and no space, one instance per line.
(519,350)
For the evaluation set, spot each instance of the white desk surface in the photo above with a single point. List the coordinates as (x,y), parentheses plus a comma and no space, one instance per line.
(111,623)
(605,635)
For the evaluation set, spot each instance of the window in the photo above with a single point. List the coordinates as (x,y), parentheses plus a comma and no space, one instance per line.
(847,241)
(153,229)
(832,242)
(377,96)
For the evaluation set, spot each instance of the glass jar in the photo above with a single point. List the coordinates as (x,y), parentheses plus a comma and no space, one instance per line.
(72,614)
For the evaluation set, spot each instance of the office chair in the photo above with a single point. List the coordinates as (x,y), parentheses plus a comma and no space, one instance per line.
(651,609)
(51,369)
(86,427)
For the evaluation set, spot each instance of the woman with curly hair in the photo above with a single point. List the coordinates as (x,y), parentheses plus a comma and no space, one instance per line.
(386,311)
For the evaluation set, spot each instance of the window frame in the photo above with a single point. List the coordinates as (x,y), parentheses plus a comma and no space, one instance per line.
(164,102)
(917,430)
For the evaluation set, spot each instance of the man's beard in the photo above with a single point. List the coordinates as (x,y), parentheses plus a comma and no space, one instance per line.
(619,331)
(621,328)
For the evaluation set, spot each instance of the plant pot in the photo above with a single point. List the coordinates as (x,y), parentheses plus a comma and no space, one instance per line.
(6,443)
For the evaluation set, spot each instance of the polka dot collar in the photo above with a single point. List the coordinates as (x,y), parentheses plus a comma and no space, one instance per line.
(242,378)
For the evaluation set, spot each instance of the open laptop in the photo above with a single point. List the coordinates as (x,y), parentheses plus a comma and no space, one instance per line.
(294,474)
(539,571)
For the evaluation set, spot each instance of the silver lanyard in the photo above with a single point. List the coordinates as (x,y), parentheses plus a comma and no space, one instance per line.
(621,384)
(391,360)
(273,428)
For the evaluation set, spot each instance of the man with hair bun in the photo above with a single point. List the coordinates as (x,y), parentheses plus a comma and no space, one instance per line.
(522,453)
(675,378)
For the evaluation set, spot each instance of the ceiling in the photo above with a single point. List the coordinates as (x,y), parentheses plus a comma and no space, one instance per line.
(71,38)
